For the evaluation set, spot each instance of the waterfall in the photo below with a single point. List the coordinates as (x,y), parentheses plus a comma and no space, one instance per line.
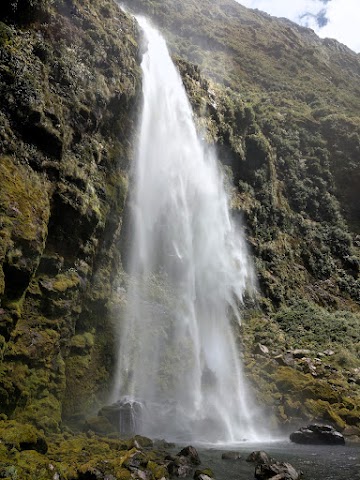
(188,272)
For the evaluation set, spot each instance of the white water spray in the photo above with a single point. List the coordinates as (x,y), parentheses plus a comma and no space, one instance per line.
(189,269)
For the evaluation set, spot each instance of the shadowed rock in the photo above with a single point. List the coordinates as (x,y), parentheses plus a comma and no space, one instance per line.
(276,471)
(318,435)
(259,457)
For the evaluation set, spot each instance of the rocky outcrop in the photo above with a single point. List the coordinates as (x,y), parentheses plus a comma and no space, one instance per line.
(69,87)
(276,471)
(183,464)
(268,468)
(317,435)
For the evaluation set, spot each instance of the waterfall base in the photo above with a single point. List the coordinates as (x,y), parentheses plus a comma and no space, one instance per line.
(125,415)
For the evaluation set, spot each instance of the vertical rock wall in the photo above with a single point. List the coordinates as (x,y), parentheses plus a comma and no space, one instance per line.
(69,87)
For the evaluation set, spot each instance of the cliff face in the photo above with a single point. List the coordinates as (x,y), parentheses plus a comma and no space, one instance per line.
(281,107)
(69,85)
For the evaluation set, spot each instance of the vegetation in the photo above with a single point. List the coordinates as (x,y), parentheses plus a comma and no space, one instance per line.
(279,105)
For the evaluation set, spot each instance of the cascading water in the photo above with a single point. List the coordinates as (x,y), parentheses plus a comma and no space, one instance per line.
(188,271)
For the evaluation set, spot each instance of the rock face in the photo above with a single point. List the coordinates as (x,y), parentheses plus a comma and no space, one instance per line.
(318,435)
(67,101)
(124,415)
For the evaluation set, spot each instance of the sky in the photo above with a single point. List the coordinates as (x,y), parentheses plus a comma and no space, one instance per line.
(339,19)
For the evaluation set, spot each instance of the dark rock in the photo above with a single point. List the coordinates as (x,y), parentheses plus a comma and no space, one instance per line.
(206,474)
(300,353)
(142,474)
(259,457)
(231,455)
(124,415)
(190,454)
(276,471)
(179,470)
(317,435)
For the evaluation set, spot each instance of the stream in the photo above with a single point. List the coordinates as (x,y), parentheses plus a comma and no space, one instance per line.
(317,462)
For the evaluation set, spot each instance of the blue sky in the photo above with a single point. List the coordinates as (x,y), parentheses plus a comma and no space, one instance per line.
(338,19)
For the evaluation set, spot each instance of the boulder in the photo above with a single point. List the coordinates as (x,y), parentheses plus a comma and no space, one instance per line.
(231,455)
(259,457)
(124,415)
(276,471)
(143,442)
(190,454)
(177,469)
(182,464)
(317,435)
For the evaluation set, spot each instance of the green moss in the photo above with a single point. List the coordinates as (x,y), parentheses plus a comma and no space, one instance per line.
(22,436)
(24,201)
(158,471)
(321,410)
(83,342)
(63,282)
(5,34)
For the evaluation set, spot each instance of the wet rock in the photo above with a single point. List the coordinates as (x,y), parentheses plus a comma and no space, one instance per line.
(182,464)
(318,435)
(190,454)
(206,474)
(124,415)
(177,469)
(276,471)
(231,455)
(259,457)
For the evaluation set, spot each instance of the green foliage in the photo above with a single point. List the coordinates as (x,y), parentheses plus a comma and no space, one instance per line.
(310,326)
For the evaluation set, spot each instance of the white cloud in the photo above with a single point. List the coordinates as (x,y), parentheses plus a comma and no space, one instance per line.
(343,16)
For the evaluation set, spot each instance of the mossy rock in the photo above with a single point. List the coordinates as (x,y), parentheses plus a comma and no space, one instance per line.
(144,442)
(22,436)
(323,411)
(158,471)
(82,343)
(99,424)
